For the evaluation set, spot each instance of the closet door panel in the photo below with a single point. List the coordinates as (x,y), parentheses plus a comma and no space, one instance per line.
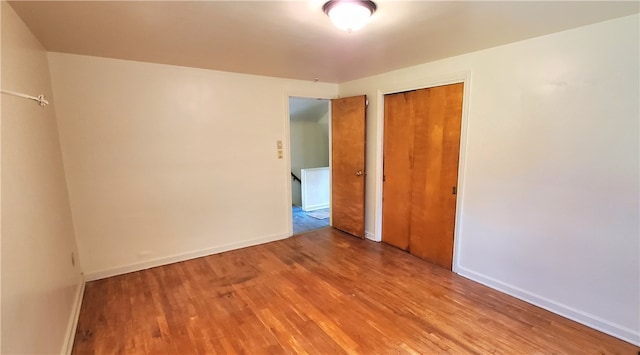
(436,153)
(398,166)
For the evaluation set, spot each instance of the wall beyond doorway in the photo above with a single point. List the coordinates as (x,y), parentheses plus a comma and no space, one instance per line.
(309,138)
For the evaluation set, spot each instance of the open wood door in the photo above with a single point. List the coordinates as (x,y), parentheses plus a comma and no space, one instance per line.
(348,164)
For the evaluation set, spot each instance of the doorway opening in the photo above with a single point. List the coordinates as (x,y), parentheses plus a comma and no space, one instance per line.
(310,171)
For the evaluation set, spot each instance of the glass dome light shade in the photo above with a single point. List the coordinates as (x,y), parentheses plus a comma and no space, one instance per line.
(349,15)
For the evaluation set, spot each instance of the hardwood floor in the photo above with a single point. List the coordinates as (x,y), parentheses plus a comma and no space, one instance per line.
(319,293)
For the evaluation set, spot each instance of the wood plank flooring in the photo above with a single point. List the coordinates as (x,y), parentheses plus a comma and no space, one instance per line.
(319,293)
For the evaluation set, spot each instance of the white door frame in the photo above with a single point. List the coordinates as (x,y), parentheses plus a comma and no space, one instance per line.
(460,77)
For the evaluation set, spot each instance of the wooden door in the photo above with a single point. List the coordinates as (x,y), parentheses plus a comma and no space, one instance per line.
(398,166)
(431,177)
(438,123)
(348,164)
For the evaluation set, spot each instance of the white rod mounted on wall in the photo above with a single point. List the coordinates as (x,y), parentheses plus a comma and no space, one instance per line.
(39,99)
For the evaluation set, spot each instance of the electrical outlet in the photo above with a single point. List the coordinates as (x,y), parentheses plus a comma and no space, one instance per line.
(279,144)
(280,154)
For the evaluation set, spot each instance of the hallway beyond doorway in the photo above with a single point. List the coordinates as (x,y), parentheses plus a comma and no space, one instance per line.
(303,222)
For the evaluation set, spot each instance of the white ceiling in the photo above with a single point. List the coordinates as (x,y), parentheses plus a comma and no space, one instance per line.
(295,39)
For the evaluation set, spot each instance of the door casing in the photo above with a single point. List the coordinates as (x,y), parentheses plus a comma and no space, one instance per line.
(421,152)
(453,78)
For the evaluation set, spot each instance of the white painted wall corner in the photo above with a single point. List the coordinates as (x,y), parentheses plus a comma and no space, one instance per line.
(147,264)
(67,346)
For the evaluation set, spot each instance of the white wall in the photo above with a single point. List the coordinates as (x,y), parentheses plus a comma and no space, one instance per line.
(165,163)
(548,198)
(40,287)
(316,188)
(309,148)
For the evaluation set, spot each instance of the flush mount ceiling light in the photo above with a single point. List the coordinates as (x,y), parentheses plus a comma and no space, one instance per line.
(349,15)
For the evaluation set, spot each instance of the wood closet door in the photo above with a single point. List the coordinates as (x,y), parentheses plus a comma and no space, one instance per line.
(348,164)
(397,168)
(436,153)
(421,150)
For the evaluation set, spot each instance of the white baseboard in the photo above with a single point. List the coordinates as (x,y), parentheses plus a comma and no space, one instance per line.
(605,326)
(370,236)
(310,208)
(147,264)
(67,346)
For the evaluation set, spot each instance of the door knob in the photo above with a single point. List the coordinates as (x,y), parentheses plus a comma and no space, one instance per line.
(359,172)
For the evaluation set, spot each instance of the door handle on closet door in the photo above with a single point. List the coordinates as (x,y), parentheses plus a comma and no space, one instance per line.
(359,172)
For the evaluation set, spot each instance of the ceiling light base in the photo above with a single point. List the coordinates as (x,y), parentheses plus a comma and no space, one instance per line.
(349,15)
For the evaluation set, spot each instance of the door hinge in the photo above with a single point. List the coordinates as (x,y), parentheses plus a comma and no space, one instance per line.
(454,190)
(366,102)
